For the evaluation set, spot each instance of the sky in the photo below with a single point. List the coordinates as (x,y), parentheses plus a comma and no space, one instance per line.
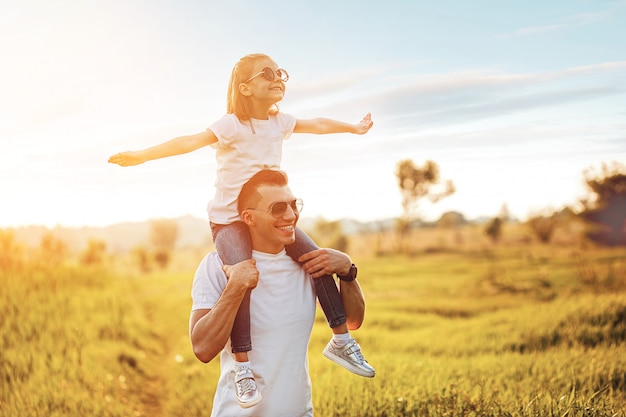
(513,100)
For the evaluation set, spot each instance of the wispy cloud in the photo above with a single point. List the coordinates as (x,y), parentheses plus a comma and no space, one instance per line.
(424,100)
(566,23)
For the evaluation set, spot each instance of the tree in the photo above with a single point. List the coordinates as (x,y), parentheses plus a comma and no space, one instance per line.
(493,229)
(606,205)
(142,258)
(543,226)
(52,251)
(451,219)
(11,253)
(162,258)
(331,234)
(163,235)
(417,183)
(94,253)
(505,214)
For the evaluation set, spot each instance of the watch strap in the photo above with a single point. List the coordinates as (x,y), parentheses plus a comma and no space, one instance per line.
(351,274)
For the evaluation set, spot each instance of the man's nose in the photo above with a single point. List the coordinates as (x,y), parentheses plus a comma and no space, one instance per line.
(290,213)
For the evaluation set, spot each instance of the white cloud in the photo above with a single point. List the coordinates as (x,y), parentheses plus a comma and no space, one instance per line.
(565,23)
(420,101)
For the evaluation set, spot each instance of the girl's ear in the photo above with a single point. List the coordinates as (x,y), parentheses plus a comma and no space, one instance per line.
(244,89)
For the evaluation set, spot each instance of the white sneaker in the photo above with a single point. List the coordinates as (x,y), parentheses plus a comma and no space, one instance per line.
(350,357)
(247,392)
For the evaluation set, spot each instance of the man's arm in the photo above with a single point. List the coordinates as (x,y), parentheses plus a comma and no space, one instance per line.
(322,126)
(176,146)
(209,329)
(330,261)
(353,303)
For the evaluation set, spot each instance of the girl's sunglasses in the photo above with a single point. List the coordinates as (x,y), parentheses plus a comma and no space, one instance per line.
(270,75)
(279,208)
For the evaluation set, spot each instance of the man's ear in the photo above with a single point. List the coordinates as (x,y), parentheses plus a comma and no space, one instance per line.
(245,90)
(247,217)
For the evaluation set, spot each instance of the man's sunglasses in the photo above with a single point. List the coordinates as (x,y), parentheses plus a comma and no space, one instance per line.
(270,75)
(280,207)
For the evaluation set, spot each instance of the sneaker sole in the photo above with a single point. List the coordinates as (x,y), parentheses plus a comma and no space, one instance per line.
(348,365)
(251,403)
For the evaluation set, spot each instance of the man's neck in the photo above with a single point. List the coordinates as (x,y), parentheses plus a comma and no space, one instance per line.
(271,250)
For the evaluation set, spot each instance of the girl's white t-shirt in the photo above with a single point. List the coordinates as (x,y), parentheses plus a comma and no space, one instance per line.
(240,154)
(282,311)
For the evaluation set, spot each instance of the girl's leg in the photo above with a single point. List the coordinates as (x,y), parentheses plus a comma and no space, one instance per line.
(325,286)
(342,349)
(233,245)
(232,242)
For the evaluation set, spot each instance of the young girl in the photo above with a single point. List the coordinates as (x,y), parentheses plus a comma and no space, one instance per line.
(247,139)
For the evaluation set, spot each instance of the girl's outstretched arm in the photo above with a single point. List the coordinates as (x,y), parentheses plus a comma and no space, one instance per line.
(322,126)
(176,146)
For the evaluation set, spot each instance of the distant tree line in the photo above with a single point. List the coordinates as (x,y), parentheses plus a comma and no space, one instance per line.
(53,252)
(604,209)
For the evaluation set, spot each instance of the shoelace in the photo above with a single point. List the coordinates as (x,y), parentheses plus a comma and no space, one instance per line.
(246,385)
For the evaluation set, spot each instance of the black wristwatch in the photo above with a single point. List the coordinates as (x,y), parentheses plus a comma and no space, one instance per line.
(351,274)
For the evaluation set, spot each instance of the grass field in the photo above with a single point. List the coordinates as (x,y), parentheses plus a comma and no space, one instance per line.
(504,331)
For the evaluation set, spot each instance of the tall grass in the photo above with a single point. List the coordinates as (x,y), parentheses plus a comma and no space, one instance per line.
(515,331)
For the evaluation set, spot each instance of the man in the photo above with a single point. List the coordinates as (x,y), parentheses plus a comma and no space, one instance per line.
(282,305)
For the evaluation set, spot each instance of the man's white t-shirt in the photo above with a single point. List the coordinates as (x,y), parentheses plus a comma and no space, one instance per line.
(240,154)
(282,311)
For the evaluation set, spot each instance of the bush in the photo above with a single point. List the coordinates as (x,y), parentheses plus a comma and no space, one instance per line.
(543,227)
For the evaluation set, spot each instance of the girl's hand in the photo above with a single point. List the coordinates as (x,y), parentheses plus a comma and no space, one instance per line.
(364,125)
(126,159)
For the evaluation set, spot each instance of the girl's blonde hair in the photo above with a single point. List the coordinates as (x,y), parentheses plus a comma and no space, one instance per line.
(237,103)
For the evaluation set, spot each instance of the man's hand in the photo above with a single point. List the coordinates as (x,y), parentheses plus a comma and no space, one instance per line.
(243,273)
(325,262)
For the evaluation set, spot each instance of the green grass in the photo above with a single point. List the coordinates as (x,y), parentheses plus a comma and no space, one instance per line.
(518,331)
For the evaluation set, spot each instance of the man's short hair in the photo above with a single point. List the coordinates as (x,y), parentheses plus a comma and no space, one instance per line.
(249,195)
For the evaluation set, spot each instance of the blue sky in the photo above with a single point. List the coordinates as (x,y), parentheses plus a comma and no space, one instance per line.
(513,100)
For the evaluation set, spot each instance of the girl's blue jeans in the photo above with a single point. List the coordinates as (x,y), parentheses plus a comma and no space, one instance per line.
(233,245)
